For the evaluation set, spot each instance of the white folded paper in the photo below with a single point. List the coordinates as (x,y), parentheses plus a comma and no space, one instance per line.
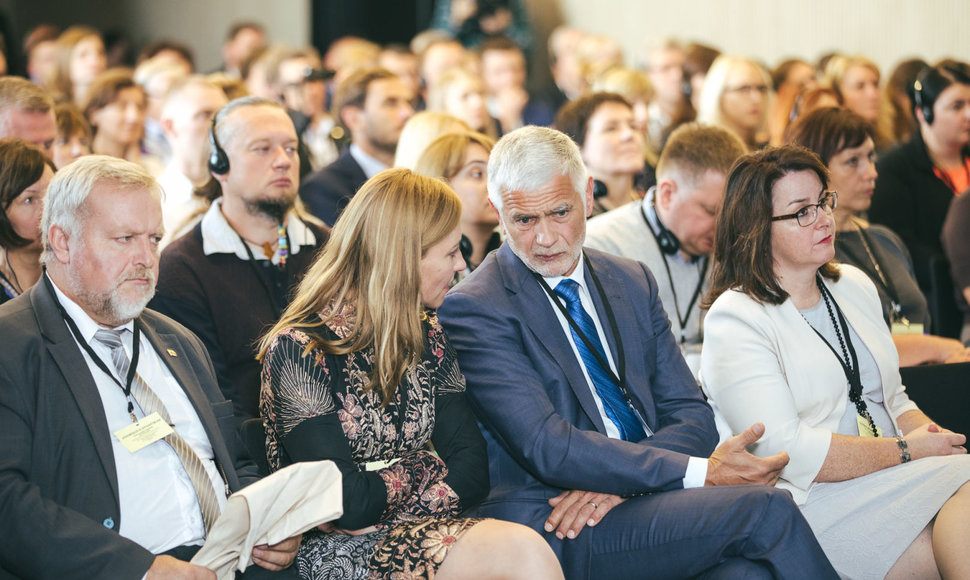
(289,502)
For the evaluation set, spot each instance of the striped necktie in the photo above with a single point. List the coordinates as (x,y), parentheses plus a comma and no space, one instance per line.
(150,403)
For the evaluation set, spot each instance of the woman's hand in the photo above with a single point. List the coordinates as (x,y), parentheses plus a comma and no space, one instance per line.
(930,440)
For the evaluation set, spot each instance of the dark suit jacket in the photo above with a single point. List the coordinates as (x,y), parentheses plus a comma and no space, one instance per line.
(327,192)
(58,481)
(538,415)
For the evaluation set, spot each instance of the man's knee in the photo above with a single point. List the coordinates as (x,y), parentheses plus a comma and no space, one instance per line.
(734,568)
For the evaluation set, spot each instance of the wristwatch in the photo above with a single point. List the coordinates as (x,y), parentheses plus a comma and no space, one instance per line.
(904,456)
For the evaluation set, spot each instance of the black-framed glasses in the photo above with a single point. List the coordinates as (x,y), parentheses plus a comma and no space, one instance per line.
(808,215)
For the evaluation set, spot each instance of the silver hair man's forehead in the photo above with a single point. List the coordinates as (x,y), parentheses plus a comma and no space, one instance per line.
(528,158)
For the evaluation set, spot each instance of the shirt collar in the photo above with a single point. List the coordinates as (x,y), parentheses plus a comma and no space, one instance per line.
(370,165)
(218,237)
(85,324)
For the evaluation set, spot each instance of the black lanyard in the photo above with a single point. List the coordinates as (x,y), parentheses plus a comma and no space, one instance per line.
(848,360)
(619,376)
(76,332)
(268,285)
(881,277)
(681,319)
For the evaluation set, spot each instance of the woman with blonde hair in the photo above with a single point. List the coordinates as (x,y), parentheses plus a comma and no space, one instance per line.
(421,129)
(80,59)
(462,93)
(461,160)
(856,82)
(358,371)
(736,95)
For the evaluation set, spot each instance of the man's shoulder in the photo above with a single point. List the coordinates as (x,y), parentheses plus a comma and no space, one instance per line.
(618,230)
(336,177)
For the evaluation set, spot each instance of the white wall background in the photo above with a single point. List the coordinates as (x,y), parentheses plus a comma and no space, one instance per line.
(886,31)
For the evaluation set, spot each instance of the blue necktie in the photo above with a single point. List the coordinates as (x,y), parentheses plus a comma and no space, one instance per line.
(609,392)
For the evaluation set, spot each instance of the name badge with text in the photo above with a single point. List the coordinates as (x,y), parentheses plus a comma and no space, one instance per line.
(144,432)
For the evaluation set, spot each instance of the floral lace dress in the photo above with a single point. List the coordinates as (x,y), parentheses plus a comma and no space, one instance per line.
(315,406)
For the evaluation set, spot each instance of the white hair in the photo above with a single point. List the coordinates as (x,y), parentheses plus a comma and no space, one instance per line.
(528,158)
(64,204)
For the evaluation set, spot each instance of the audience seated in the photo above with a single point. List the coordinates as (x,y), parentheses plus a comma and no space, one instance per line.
(663,62)
(899,95)
(567,78)
(602,126)
(25,171)
(156,76)
(80,59)
(504,74)
(918,179)
(798,342)
(598,422)
(40,50)
(698,59)
(956,244)
(671,230)
(635,87)
(439,55)
(186,118)
(242,39)
(790,80)
(349,54)
(373,105)
(462,94)
(300,80)
(75,500)
(473,22)
(116,110)
(736,94)
(843,141)
(359,351)
(461,160)
(405,64)
(855,81)
(420,130)
(232,275)
(27,111)
(73,137)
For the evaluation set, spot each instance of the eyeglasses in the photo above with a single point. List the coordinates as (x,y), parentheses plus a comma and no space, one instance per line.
(748,89)
(808,215)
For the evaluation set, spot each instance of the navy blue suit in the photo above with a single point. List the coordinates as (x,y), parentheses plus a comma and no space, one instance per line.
(545,434)
(327,192)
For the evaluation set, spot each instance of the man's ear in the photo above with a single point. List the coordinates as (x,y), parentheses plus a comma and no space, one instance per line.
(501,222)
(666,190)
(589,196)
(351,117)
(60,243)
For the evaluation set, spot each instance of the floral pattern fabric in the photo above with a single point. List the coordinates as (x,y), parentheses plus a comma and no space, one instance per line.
(419,522)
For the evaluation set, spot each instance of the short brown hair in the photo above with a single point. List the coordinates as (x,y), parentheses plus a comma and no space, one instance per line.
(694,149)
(70,121)
(573,118)
(352,91)
(105,89)
(827,131)
(742,241)
(21,165)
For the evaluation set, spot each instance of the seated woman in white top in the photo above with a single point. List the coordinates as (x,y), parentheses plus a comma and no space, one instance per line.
(798,342)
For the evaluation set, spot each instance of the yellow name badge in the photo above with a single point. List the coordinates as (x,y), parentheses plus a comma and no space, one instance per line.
(865,430)
(144,432)
(904,328)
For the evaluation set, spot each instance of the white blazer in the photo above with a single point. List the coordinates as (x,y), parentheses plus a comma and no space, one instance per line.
(765,363)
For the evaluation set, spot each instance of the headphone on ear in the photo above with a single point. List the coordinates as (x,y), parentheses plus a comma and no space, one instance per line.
(218,160)
(666,240)
(927,109)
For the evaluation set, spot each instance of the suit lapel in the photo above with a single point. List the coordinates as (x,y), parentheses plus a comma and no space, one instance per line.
(170,350)
(539,316)
(77,376)
(625,316)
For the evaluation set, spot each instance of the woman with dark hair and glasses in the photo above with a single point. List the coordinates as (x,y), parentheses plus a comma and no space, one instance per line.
(844,142)
(797,341)
(25,171)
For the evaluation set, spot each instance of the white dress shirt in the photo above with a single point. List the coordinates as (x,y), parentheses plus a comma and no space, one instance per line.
(159,505)
(218,237)
(696,466)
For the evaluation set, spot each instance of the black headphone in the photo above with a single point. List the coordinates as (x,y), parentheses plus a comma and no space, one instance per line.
(599,189)
(666,240)
(218,160)
(918,97)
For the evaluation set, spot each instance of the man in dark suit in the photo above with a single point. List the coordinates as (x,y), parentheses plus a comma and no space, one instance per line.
(618,439)
(373,105)
(80,497)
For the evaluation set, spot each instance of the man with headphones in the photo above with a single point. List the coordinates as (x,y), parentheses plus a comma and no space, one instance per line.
(918,180)
(232,275)
(671,230)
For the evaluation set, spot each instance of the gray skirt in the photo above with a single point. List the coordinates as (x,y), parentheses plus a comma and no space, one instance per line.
(865,524)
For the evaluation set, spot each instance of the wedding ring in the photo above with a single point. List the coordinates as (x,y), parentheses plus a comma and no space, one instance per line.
(593,504)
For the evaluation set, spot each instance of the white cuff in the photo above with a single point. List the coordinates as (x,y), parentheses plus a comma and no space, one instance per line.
(696,472)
